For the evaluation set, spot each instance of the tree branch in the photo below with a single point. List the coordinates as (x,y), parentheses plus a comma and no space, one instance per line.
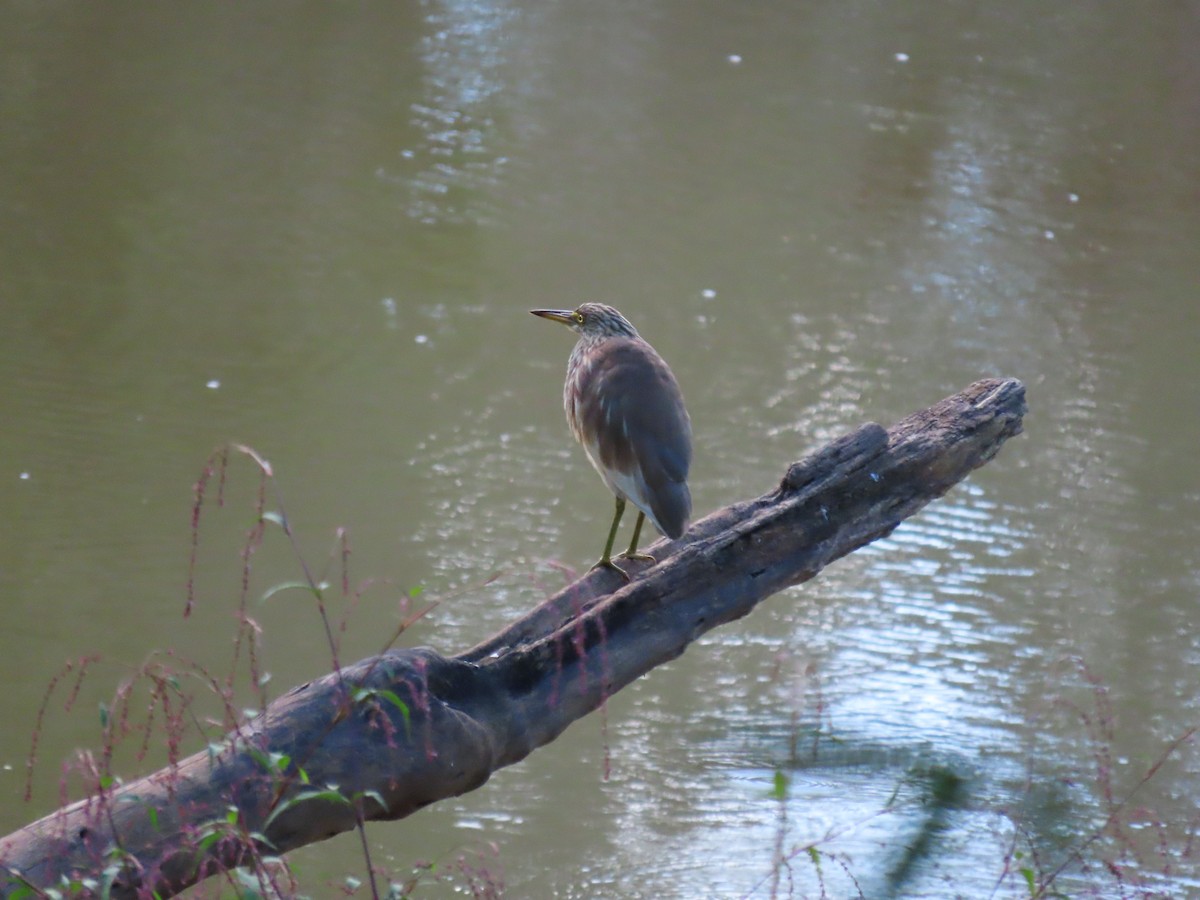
(400,731)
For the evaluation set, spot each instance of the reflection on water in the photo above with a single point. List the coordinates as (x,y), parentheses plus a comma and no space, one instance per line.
(902,682)
(820,215)
(455,162)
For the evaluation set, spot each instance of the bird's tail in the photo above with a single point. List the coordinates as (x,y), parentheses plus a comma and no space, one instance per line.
(672,509)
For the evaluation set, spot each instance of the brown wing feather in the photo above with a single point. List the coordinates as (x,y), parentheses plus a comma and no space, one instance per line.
(630,404)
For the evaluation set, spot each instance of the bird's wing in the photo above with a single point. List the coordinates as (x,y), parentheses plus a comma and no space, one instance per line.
(641,429)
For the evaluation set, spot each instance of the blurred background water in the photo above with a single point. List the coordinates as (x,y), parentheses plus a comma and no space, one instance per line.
(315,229)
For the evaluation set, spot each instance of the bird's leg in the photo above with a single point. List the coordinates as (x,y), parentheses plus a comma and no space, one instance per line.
(606,560)
(632,553)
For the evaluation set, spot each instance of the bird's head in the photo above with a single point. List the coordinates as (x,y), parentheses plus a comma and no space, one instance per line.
(591,320)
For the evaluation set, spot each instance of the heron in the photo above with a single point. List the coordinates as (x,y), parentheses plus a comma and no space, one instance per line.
(624,406)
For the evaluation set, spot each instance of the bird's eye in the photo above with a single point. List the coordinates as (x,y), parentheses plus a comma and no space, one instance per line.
(579,317)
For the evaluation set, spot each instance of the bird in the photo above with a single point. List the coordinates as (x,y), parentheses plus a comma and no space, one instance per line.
(625,407)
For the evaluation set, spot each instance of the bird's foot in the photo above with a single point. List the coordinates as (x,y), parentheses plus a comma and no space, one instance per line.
(644,557)
(607,563)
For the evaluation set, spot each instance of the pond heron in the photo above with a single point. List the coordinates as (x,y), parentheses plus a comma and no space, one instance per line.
(625,407)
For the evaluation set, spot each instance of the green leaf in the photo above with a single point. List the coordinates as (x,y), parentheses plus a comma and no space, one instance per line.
(206,841)
(103,715)
(285,586)
(363,694)
(259,838)
(250,887)
(1030,880)
(330,795)
(780,787)
(373,795)
(260,756)
(108,879)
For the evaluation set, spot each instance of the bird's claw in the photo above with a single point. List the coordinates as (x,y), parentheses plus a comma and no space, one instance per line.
(644,557)
(612,566)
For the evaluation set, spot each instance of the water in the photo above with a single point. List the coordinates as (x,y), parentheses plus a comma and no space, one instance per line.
(317,232)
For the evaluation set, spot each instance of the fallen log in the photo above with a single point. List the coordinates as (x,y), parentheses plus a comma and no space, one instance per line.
(384,737)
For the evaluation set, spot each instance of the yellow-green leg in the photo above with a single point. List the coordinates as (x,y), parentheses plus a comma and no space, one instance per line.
(632,553)
(606,560)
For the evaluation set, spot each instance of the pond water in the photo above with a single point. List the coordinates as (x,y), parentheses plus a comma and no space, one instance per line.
(316,231)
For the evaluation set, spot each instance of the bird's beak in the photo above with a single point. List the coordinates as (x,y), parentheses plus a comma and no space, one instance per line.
(566,316)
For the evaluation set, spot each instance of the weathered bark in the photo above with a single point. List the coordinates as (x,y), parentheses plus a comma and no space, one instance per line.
(405,729)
